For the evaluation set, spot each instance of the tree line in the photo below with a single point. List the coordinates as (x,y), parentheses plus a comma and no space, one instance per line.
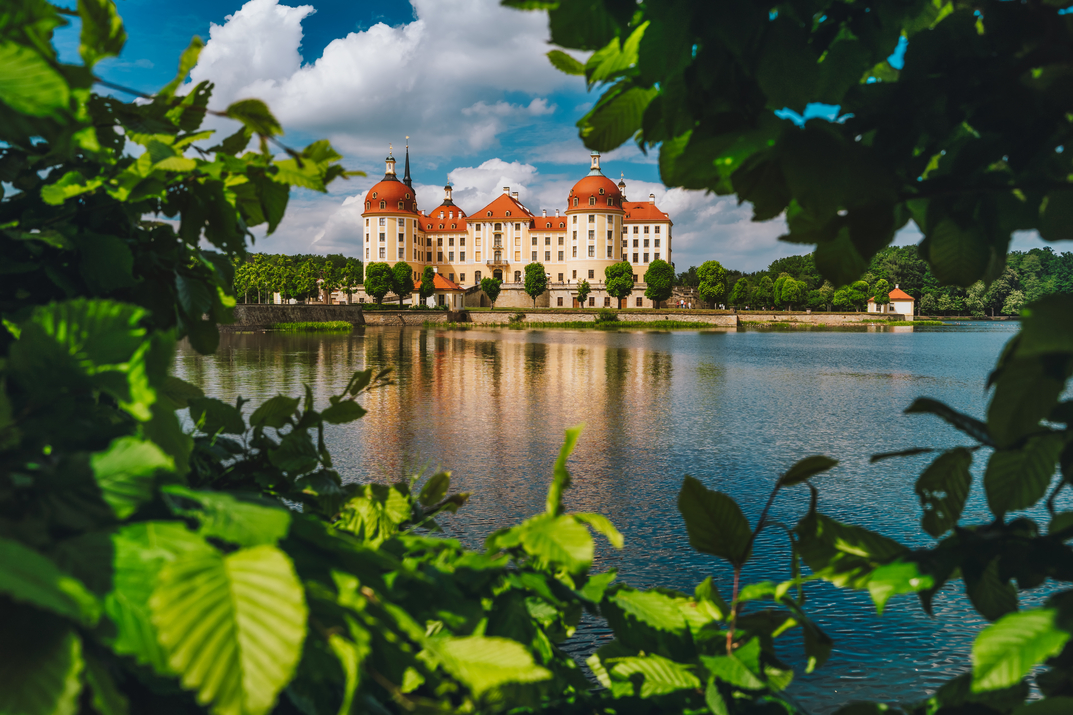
(794,282)
(260,275)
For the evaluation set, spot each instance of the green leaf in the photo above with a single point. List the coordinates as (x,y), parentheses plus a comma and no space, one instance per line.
(1026,391)
(839,261)
(787,70)
(943,489)
(651,607)
(28,577)
(805,469)
(611,123)
(309,175)
(483,663)
(659,675)
(102,31)
(1061,705)
(375,512)
(254,114)
(969,425)
(435,489)
(602,525)
(731,670)
(107,699)
(559,539)
(232,626)
(560,481)
(1005,651)
(140,551)
(715,522)
(992,597)
(343,412)
(896,578)
(70,184)
(214,416)
(1056,216)
(40,665)
(296,453)
(565,63)
(179,391)
(246,522)
(1017,478)
(843,554)
(1047,326)
(29,85)
(957,256)
(106,263)
(275,412)
(126,473)
(187,61)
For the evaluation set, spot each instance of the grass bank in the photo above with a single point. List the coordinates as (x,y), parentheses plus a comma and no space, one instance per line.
(583,324)
(330,326)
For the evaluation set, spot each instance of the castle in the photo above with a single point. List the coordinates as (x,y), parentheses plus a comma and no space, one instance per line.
(598,228)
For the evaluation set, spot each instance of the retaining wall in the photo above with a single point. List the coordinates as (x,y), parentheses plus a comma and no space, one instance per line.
(725,320)
(755,316)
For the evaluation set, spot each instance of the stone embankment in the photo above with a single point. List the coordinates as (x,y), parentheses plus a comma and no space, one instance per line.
(263,317)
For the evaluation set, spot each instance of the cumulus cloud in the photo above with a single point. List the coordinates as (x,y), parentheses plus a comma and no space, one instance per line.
(441,78)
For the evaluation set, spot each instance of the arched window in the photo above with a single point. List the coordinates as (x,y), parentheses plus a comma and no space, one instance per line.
(430,225)
(517,276)
(441,225)
(610,202)
(477,276)
(592,201)
(562,225)
(489,213)
(400,206)
(454,225)
(508,213)
(383,205)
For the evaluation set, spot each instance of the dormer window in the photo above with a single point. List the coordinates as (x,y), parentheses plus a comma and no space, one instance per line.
(454,225)
(441,225)
(489,213)
(374,194)
(430,225)
(592,201)
(383,205)
(610,202)
(408,196)
(575,201)
(508,213)
(601,192)
(562,225)
(368,205)
(400,206)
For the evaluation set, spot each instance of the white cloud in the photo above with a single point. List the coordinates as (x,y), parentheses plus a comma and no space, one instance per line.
(441,78)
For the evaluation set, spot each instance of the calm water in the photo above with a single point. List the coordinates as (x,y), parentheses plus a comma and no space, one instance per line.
(731,408)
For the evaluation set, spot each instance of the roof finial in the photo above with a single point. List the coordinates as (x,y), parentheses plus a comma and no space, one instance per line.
(390,151)
(406,174)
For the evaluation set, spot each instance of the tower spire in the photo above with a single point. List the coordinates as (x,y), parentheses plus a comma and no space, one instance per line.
(406,174)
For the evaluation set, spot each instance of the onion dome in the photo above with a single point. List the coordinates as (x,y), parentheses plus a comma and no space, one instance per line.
(447,217)
(595,190)
(390,196)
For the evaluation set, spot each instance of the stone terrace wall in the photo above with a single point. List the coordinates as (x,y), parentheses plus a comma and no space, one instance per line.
(756,316)
(264,316)
(565,315)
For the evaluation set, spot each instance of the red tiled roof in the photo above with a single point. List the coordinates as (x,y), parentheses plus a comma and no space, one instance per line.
(432,222)
(391,193)
(643,211)
(439,283)
(899,294)
(499,208)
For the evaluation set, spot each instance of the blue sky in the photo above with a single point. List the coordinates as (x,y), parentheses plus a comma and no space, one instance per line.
(466,79)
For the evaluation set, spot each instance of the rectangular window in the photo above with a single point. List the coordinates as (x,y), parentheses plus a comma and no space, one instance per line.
(518,255)
(607,302)
(636,242)
(477,257)
(461,240)
(367,239)
(366,222)
(575,274)
(383,222)
(450,276)
(635,258)
(575,252)
(656,243)
(610,235)
(611,219)
(517,227)
(560,280)
(646,258)
(646,243)
(646,229)
(559,301)
(439,256)
(634,277)
(534,255)
(575,235)
(547,240)
(439,241)
(592,251)
(428,241)
(592,301)
(547,255)
(429,257)
(450,256)
(560,256)
(383,252)
(517,240)
(610,252)
(535,240)
(402,237)
(592,235)
(639,303)
(366,254)
(462,257)
(561,240)
(575,218)
(635,229)
(383,237)
(451,240)
(461,277)
(591,275)
(657,229)
(655,256)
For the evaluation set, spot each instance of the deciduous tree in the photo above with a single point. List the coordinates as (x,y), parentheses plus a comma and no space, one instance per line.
(712,286)
(378,280)
(402,280)
(536,281)
(583,291)
(618,278)
(428,284)
(491,288)
(659,280)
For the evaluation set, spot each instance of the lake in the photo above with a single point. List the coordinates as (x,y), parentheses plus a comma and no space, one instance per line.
(733,409)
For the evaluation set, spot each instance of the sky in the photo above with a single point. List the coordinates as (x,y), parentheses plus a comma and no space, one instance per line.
(466,80)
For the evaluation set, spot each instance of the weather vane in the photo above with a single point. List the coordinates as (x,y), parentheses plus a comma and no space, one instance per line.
(389,149)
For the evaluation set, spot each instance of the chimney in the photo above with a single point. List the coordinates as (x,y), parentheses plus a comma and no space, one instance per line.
(506,190)
(556,213)
(514,195)
(895,286)
(651,198)
(545,213)
(435,269)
